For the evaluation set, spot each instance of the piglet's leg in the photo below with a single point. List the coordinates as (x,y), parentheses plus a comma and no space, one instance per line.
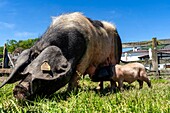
(120,85)
(147,81)
(140,84)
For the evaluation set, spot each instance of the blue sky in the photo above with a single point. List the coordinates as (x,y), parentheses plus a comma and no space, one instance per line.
(136,20)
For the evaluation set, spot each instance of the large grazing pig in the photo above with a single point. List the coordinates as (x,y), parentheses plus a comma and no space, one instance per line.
(128,73)
(72,45)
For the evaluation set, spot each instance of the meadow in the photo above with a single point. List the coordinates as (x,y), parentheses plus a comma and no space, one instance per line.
(88,100)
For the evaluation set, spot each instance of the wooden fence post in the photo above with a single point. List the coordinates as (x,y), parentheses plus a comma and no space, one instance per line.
(5,58)
(155,56)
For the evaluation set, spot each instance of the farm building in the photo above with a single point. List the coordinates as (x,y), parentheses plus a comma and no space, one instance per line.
(145,55)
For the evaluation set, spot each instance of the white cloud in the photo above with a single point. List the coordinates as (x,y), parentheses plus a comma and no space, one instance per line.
(6,25)
(112,12)
(24,34)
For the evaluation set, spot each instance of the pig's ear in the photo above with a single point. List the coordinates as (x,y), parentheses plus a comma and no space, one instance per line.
(50,68)
(22,61)
(50,64)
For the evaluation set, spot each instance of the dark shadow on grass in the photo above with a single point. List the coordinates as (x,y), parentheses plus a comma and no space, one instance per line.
(128,86)
(58,96)
(107,91)
(64,95)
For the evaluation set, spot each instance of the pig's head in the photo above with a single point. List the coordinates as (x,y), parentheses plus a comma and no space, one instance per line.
(40,73)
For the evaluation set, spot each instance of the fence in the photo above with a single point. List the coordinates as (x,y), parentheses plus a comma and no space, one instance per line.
(155,60)
(4,66)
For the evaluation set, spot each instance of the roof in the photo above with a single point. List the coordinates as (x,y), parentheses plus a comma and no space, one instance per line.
(145,53)
(167,47)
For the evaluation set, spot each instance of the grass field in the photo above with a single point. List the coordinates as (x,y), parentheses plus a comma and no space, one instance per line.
(87,100)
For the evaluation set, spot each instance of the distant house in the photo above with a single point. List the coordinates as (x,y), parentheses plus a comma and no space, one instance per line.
(137,55)
(134,55)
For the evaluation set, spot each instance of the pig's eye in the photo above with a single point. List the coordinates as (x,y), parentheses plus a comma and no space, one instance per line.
(34,55)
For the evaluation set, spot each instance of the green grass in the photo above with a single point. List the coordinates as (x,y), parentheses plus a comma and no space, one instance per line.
(146,100)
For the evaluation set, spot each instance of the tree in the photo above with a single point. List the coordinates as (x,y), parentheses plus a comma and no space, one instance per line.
(1,50)
(13,44)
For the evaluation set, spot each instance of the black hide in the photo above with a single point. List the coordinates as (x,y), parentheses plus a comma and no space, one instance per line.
(45,82)
(72,46)
(70,42)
